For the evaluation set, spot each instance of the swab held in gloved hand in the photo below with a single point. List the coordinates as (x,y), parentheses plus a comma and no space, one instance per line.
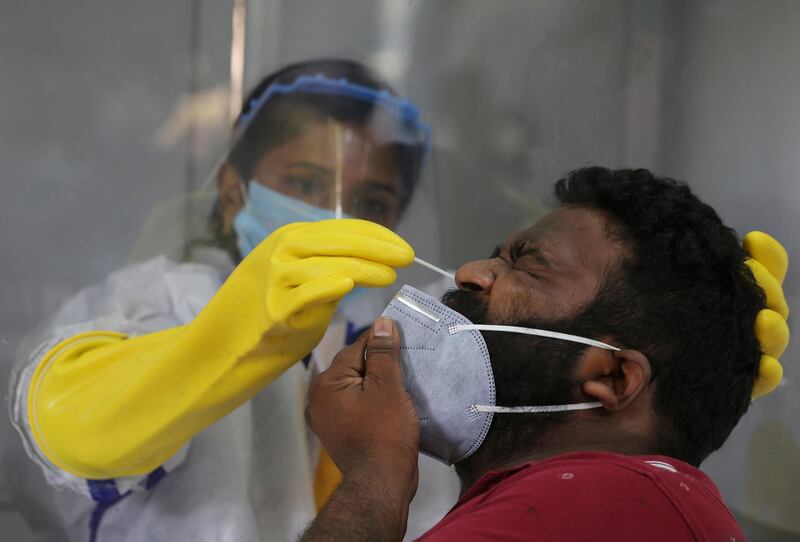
(435,269)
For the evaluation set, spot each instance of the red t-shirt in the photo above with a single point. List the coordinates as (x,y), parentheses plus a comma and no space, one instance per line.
(588,496)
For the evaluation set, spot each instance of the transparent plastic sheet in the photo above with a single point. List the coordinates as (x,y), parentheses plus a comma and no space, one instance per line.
(306,163)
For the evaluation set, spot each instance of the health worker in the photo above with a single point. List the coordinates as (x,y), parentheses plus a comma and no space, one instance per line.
(167,402)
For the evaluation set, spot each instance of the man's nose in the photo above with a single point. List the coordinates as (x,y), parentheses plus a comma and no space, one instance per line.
(477,276)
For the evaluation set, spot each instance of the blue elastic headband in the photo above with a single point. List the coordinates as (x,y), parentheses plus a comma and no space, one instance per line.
(319,84)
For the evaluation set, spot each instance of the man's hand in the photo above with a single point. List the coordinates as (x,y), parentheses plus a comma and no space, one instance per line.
(364,417)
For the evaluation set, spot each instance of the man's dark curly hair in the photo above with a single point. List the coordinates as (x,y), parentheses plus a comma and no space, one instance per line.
(684,297)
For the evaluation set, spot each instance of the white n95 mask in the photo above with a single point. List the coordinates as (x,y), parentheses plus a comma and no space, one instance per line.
(448,374)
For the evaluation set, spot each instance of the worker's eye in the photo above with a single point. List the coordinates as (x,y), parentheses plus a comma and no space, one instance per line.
(306,187)
(376,206)
(364,207)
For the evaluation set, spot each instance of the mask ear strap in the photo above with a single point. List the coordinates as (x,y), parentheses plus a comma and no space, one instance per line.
(543,409)
(536,409)
(532,331)
(243,190)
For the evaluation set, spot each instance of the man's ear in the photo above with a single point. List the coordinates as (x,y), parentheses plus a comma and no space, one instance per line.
(230,194)
(616,379)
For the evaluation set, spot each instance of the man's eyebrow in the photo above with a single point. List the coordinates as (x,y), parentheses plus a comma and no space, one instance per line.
(311,165)
(525,247)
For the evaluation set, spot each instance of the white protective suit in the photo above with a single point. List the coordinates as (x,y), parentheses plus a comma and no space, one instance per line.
(248,477)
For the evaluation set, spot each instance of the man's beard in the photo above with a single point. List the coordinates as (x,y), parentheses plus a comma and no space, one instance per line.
(528,371)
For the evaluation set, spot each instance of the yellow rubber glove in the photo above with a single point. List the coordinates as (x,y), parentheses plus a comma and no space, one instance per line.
(769,263)
(102,405)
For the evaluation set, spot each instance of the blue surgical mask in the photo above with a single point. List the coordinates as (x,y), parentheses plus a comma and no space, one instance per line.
(267,210)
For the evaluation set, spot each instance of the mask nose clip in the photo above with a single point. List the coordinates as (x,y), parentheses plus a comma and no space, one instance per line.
(413,305)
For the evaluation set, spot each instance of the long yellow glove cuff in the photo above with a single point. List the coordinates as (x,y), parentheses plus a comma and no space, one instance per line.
(102,405)
(769,263)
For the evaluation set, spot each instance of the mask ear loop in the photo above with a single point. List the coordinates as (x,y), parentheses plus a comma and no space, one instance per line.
(532,331)
(243,191)
(542,409)
(536,409)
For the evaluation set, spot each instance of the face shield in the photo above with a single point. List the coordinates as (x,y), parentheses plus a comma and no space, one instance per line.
(311,149)
(318,149)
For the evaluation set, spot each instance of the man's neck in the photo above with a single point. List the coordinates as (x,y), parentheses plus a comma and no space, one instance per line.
(486,459)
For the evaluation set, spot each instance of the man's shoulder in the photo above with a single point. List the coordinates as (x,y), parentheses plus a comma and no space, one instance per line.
(589,495)
(612,466)
(653,493)
(606,472)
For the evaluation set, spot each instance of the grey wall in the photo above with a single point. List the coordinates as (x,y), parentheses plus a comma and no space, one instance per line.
(732,128)
(519,93)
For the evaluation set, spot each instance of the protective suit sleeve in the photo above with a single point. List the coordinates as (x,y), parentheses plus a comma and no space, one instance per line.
(139,298)
(105,405)
(769,263)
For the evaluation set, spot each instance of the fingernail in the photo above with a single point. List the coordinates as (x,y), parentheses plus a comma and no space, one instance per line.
(382,327)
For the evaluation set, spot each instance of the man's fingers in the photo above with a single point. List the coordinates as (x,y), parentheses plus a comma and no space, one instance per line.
(347,365)
(383,354)
(351,358)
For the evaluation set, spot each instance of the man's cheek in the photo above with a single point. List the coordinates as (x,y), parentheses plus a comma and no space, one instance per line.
(500,307)
(537,306)
(512,309)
